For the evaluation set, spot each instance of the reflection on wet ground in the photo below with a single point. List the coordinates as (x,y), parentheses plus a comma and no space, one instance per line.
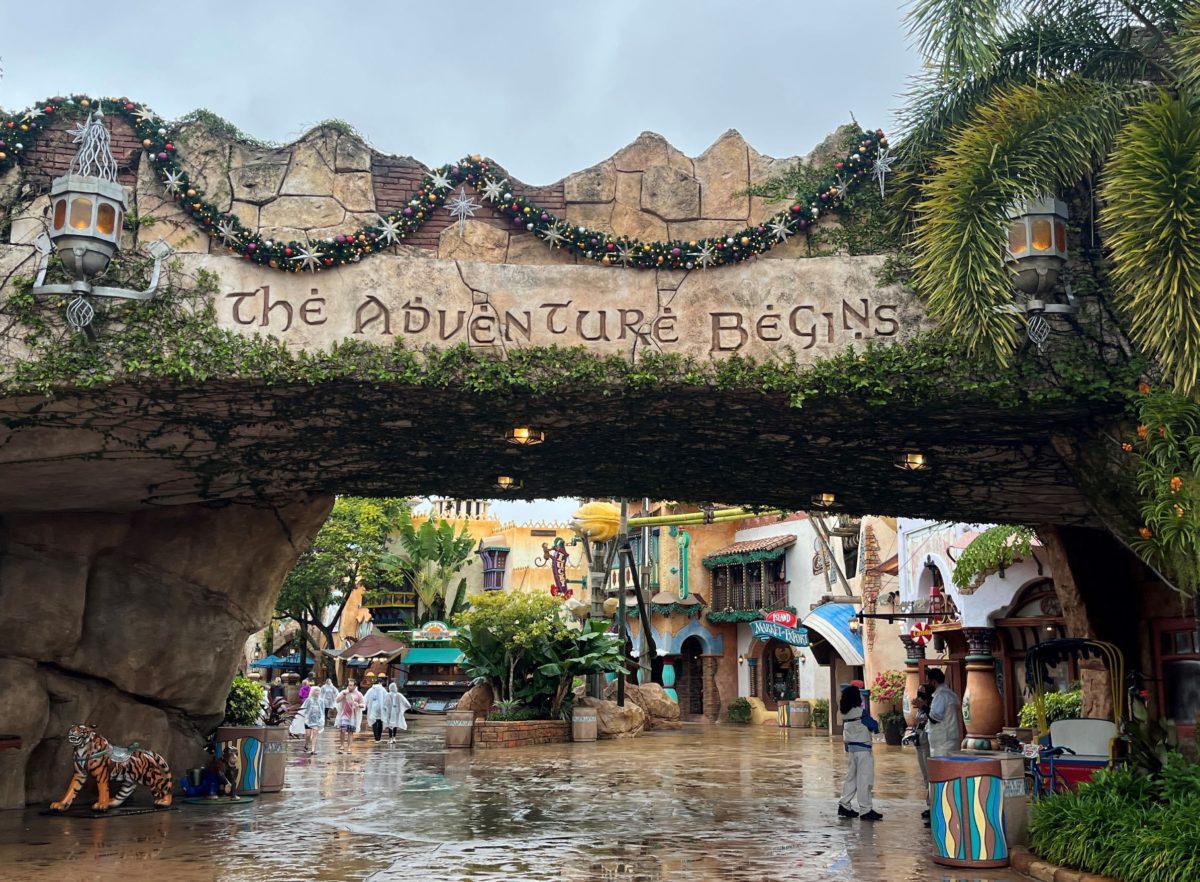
(709,802)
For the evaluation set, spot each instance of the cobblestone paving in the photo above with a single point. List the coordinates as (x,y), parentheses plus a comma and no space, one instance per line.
(706,803)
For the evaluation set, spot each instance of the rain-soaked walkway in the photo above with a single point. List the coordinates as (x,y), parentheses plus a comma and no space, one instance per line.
(710,802)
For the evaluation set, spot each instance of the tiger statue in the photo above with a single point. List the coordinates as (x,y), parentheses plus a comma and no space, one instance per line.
(129,765)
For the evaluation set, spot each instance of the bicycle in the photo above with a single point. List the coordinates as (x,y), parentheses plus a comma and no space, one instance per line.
(1038,783)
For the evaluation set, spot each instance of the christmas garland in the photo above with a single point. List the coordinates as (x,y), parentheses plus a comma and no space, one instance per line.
(19,132)
(725,616)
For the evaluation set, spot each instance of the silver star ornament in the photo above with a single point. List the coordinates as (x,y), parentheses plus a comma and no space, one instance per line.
(552,237)
(227,232)
(779,229)
(173,181)
(439,180)
(309,258)
(493,190)
(389,230)
(462,207)
(704,256)
(883,167)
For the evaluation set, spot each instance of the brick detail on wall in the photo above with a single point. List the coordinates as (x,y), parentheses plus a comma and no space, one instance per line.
(397,178)
(51,155)
(525,733)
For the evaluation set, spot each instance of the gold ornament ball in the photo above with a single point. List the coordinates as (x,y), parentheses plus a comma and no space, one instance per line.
(24,127)
(745,241)
(604,260)
(85,103)
(146,142)
(3,156)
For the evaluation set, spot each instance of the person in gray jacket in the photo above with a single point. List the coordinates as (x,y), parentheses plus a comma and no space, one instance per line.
(857,727)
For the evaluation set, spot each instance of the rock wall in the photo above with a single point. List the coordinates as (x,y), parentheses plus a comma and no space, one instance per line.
(133,622)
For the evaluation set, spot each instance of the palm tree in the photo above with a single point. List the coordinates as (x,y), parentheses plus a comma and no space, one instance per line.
(1021,99)
(432,555)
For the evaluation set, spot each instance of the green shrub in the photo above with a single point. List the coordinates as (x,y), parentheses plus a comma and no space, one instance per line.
(1059,706)
(820,713)
(739,711)
(244,702)
(1126,824)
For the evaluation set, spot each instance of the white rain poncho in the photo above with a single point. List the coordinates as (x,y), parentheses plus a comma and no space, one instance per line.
(328,695)
(395,704)
(375,697)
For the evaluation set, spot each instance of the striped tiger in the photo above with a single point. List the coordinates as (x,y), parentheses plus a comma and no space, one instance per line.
(129,766)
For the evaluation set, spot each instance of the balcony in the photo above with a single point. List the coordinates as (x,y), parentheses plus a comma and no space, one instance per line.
(751,596)
(383,599)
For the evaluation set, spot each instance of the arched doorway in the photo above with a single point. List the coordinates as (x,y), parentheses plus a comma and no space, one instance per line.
(1034,616)
(691,677)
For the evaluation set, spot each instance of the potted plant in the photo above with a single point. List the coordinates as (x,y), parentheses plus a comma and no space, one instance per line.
(739,711)
(820,713)
(276,715)
(243,730)
(887,690)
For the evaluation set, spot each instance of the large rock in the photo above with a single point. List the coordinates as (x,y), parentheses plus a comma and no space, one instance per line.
(661,712)
(132,621)
(478,698)
(724,173)
(614,721)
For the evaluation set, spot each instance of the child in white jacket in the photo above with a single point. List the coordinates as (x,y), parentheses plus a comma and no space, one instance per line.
(857,726)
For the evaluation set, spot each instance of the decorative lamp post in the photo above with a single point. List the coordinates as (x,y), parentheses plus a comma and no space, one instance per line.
(88,210)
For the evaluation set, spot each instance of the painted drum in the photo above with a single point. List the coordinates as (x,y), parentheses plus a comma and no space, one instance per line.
(584,725)
(967,812)
(460,728)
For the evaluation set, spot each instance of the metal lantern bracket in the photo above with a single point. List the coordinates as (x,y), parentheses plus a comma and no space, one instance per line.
(158,249)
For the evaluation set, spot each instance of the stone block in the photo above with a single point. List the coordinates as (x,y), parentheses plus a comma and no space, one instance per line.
(256,175)
(479,241)
(594,216)
(631,221)
(670,193)
(311,170)
(595,184)
(689,231)
(354,190)
(29,222)
(629,189)
(647,150)
(302,212)
(528,249)
(352,155)
(205,155)
(762,169)
(163,218)
(247,213)
(724,172)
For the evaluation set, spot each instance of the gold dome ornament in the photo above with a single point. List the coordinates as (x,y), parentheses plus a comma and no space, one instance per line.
(598,521)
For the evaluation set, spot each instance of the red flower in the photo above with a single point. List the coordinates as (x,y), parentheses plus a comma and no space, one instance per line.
(1144,388)
(1176,483)
(1127,447)
(1141,432)
(1144,695)
(1145,533)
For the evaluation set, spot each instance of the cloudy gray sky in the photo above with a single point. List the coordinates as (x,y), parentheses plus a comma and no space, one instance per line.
(546,88)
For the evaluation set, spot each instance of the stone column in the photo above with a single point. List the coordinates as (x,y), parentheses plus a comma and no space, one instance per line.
(983,708)
(712,699)
(912,675)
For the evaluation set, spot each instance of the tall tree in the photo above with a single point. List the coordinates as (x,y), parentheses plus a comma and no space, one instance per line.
(430,557)
(1024,98)
(348,548)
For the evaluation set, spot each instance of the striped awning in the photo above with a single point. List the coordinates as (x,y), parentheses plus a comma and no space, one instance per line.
(832,621)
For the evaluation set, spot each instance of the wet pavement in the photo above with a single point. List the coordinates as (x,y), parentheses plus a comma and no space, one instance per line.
(709,802)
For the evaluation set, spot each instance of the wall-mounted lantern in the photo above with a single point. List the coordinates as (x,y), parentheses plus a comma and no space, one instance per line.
(1037,243)
(911,461)
(823,500)
(525,436)
(507,482)
(87,213)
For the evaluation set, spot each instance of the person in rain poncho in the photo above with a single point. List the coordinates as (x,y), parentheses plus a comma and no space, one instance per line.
(376,696)
(313,714)
(394,706)
(329,698)
(349,704)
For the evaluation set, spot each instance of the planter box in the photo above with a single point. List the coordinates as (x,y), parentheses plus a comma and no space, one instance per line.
(274,761)
(525,733)
(249,742)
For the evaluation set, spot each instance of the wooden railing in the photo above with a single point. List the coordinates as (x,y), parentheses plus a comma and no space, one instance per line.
(389,598)
(753,596)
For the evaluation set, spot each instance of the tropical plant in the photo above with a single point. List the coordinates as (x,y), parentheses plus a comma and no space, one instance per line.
(510,710)
(995,548)
(887,687)
(892,718)
(276,711)
(1059,706)
(820,713)
(1149,743)
(1025,98)
(243,705)
(431,556)
(739,711)
(346,550)
(571,653)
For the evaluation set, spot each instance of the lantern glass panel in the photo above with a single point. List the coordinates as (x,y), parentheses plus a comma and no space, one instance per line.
(1042,238)
(81,213)
(1060,237)
(106,217)
(60,213)
(1017,243)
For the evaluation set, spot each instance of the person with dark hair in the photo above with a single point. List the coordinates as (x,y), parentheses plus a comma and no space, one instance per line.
(921,739)
(945,715)
(860,771)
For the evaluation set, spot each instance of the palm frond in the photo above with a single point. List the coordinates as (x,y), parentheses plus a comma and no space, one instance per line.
(1185,47)
(1152,218)
(957,35)
(1025,142)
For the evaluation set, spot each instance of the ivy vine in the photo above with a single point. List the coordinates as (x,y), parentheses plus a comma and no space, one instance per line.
(994,549)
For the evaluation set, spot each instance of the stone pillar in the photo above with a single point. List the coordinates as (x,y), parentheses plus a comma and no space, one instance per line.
(912,675)
(712,698)
(133,621)
(983,708)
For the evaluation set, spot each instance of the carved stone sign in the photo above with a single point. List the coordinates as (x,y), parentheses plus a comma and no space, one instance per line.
(768,308)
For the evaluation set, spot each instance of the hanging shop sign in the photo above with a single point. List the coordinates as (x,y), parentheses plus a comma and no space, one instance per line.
(434,631)
(765,630)
(784,617)
(921,633)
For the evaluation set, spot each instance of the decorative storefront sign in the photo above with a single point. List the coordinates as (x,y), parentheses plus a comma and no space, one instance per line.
(764,630)
(784,617)
(921,633)
(434,631)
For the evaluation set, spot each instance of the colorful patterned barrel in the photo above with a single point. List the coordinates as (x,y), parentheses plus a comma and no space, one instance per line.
(249,742)
(967,812)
